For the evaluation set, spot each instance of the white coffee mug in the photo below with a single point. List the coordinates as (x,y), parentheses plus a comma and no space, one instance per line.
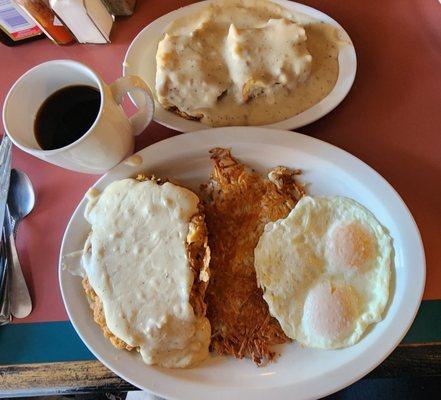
(108,141)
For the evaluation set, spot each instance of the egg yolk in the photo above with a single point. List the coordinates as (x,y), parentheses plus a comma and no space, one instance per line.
(329,311)
(351,246)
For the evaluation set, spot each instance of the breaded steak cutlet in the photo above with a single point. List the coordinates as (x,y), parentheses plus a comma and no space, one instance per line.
(238,204)
(198,254)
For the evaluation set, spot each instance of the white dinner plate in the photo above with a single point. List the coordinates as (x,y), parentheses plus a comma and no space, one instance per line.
(300,372)
(141,60)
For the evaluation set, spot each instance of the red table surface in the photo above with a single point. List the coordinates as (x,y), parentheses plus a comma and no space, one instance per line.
(391,119)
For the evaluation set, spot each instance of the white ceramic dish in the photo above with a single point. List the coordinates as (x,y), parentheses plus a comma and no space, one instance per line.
(141,60)
(305,373)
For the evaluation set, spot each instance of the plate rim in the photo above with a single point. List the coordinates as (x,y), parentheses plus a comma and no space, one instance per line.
(310,115)
(279,391)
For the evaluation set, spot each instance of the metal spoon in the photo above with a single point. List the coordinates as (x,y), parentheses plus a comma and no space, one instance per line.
(21,201)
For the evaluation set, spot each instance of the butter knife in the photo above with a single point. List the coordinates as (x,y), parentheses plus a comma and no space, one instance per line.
(5,279)
(5,171)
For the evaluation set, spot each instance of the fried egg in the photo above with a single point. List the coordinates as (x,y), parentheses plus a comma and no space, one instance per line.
(325,271)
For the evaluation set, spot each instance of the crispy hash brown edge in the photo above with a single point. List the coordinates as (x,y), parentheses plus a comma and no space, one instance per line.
(198,254)
(228,172)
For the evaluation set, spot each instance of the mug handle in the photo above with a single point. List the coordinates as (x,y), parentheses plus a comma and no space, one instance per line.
(146,109)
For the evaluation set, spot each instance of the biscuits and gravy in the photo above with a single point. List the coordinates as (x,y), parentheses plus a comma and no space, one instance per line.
(245,62)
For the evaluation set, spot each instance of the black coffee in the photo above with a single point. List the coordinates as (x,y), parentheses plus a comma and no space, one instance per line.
(66,115)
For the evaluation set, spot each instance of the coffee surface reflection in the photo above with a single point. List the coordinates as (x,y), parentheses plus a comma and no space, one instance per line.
(66,115)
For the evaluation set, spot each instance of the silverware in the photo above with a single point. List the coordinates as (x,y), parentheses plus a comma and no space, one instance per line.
(5,259)
(5,278)
(21,201)
(5,171)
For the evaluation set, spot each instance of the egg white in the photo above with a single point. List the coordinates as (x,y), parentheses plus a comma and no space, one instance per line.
(319,300)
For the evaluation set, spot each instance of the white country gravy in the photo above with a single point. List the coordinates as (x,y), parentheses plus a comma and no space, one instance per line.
(246,62)
(136,261)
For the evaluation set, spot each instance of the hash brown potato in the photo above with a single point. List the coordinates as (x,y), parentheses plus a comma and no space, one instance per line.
(238,204)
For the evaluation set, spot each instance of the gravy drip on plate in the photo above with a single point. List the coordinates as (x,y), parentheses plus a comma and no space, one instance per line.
(246,63)
(136,261)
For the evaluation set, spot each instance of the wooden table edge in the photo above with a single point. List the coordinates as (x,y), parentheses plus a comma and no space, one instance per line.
(73,377)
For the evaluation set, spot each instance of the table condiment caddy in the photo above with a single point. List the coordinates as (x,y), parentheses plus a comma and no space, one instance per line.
(62,21)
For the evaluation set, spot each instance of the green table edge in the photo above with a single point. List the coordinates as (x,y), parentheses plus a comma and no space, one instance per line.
(46,342)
